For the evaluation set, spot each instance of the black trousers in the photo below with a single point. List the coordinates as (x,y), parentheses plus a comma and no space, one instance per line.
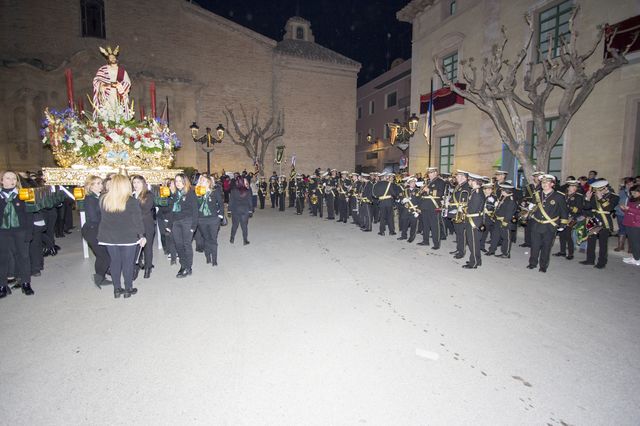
(274,199)
(567,245)
(430,226)
(602,239)
(208,227)
(261,198)
(299,203)
(182,236)
(147,251)
(472,234)
(329,198)
(386,216)
(168,244)
(489,231)
(353,205)
(343,208)
(292,198)
(14,244)
(281,201)
(121,265)
(408,222)
(459,229)
(375,212)
(101,265)
(35,249)
(366,223)
(542,237)
(50,217)
(633,235)
(527,232)
(502,238)
(243,221)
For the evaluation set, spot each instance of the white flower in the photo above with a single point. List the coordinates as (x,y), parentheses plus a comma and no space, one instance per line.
(116,138)
(136,145)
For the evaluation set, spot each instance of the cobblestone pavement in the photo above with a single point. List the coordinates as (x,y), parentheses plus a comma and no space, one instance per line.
(317,323)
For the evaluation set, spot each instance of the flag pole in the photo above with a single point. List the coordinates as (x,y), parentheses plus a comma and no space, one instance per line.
(430,118)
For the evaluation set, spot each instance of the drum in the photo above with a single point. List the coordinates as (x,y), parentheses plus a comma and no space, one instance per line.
(593,225)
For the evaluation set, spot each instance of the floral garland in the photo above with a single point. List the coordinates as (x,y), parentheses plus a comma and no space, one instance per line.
(102,140)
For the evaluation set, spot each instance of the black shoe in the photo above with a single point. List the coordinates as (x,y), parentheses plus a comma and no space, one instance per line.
(424,243)
(600,266)
(36,274)
(147,272)
(469,266)
(381,233)
(451,252)
(199,250)
(402,238)
(410,240)
(129,293)
(484,250)
(559,254)
(525,245)
(26,289)
(542,269)
(458,256)
(214,263)
(118,292)
(16,286)
(11,280)
(231,240)
(183,273)
(489,253)
(208,260)
(504,256)
(586,262)
(392,233)
(570,257)
(435,248)
(245,242)
(531,266)
(4,291)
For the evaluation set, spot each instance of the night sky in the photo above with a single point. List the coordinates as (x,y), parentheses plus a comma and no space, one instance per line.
(364,30)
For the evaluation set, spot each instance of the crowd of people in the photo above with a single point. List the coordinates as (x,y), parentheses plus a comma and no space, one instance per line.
(122,214)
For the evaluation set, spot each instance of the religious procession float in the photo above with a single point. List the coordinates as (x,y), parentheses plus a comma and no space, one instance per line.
(109,139)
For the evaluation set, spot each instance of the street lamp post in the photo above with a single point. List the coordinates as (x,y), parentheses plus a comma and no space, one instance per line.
(208,140)
(400,134)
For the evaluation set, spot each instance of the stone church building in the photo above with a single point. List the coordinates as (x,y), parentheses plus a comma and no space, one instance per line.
(199,61)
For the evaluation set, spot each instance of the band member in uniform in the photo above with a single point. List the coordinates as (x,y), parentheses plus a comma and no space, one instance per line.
(575,205)
(599,204)
(16,229)
(430,207)
(262,191)
(291,188)
(273,190)
(548,216)
(315,196)
(457,208)
(93,190)
(474,221)
(366,223)
(489,213)
(386,191)
(330,193)
(164,219)
(299,193)
(528,202)
(282,192)
(147,205)
(344,186)
(506,219)
(184,220)
(409,210)
(210,214)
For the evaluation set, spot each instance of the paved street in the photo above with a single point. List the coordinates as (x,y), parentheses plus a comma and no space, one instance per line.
(317,323)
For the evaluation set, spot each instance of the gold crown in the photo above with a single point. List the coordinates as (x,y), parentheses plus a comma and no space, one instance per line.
(108,51)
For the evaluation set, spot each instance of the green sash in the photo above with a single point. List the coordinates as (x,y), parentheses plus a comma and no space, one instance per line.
(10,215)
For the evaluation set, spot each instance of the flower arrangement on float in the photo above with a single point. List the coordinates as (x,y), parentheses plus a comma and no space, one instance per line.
(80,140)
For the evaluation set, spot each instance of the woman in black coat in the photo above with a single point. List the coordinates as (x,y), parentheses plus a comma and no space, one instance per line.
(210,213)
(93,189)
(121,231)
(241,206)
(183,222)
(145,198)
(16,228)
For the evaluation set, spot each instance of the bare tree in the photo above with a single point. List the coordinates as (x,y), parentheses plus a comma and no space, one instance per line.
(254,137)
(496,90)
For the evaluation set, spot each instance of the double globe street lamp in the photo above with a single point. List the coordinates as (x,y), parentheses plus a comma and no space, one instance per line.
(208,140)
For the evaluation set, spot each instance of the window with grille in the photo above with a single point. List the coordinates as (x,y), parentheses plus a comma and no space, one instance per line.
(359,113)
(391,99)
(372,107)
(450,66)
(446,153)
(452,7)
(92,15)
(553,25)
(555,158)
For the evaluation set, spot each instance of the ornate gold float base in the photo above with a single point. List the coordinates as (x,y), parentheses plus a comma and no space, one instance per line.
(78,176)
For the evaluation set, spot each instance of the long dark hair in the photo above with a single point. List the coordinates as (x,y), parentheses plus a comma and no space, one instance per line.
(144,193)
(240,185)
(635,188)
